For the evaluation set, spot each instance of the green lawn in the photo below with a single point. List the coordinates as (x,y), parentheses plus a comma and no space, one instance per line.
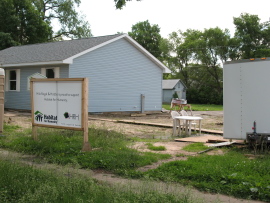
(200,107)
(231,173)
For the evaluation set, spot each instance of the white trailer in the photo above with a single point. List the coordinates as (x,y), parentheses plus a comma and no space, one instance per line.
(246,98)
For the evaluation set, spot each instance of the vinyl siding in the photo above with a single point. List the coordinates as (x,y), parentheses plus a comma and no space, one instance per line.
(21,99)
(118,74)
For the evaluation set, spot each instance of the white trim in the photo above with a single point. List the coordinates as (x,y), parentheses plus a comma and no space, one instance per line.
(35,75)
(132,41)
(56,71)
(32,64)
(148,54)
(70,59)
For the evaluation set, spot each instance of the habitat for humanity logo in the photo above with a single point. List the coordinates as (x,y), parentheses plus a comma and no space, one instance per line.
(47,118)
(71,116)
(38,116)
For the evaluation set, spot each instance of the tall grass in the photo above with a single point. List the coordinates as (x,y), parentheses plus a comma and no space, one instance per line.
(231,174)
(22,184)
(111,151)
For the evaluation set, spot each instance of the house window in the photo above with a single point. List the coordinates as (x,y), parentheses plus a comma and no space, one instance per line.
(13,80)
(51,72)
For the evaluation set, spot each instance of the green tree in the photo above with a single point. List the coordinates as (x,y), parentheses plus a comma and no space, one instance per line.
(148,36)
(21,23)
(253,36)
(72,25)
(197,60)
(119,4)
(6,41)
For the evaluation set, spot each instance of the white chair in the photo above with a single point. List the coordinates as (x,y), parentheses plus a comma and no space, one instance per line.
(184,113)
(176,123)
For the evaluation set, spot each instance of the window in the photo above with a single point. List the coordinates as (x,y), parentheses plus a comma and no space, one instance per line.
(51,72)
(13,80)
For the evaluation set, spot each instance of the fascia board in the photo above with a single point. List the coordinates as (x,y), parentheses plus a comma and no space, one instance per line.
(132,41)
(32,64)
(148,54)
(70,59)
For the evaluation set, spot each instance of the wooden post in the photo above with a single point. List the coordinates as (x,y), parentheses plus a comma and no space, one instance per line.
(86,144)
(83,107)
(2,98)
(34,127)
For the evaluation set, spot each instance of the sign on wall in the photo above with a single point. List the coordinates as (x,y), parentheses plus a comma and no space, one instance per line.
(60,103)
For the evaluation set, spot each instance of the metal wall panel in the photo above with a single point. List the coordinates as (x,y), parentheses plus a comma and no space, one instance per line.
(246,98)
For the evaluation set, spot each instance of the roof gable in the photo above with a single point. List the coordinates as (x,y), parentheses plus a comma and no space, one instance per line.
(63,52)
(170,84)
(49,52)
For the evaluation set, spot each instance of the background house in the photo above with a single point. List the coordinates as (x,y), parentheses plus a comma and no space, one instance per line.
(120,71)
(170,87)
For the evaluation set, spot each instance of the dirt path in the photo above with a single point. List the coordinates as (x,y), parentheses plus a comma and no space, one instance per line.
(122,183)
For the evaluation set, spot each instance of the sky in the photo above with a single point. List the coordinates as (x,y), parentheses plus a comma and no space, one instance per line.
(169,15)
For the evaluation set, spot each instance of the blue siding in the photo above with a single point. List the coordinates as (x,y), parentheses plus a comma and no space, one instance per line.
(22,100)
(118,74)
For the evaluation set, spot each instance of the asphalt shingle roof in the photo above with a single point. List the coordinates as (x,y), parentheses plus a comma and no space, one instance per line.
(170,84)
(53,51)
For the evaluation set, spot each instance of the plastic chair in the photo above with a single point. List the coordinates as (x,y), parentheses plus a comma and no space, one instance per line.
(184,113)
(176,122)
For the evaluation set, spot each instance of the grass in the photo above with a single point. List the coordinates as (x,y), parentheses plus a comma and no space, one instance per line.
(232,174)
(64,147)
(21,184)
(155,148)
(200,107)
(195,147)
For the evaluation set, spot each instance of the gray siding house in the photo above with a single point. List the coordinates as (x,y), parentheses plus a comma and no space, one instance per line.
(170,87)
(120,72)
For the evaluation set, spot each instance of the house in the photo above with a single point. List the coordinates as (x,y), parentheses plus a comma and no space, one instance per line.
(123,76)
(170,87)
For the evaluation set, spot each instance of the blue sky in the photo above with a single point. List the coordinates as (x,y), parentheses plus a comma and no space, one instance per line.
(170,15)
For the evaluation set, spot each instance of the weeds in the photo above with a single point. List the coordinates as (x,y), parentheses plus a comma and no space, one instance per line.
(155,148)
(231,174)
(195,147)
(62,147)
(26,184)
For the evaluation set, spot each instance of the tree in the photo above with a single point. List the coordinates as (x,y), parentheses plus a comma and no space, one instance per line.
(119,4)
(6,41)
(21,23)
(148,36)
(253,35)
(197,62)
(72,25)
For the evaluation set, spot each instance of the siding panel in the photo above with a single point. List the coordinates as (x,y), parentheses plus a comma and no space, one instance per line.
(118,74)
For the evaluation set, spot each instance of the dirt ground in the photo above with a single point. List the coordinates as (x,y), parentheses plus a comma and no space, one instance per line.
(211,120)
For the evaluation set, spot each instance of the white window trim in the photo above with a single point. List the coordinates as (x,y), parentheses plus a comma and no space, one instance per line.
(55,69)
(18,80)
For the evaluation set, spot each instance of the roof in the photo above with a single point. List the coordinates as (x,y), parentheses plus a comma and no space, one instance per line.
(63,52)
(170,84)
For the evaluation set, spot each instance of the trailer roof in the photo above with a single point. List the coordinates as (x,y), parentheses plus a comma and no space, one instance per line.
(248,60)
